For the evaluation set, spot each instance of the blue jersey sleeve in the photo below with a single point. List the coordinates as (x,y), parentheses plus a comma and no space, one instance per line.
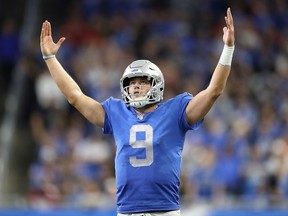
(182,100)
(107,129)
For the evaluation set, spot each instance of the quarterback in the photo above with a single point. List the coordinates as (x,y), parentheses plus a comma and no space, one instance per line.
(149,133)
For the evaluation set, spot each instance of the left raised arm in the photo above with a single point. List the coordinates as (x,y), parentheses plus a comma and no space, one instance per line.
(200,105)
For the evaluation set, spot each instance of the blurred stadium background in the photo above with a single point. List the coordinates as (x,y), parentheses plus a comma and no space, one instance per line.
(53,162)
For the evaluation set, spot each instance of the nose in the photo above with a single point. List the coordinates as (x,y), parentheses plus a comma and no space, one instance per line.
(136,85)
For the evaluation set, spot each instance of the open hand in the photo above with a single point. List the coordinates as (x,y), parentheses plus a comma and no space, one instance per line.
(228,30)
(47,45)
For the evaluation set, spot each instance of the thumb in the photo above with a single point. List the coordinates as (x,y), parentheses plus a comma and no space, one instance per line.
(60,41)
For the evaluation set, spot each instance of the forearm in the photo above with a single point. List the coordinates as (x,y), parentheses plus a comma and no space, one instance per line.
(200,105)
(222,71)
(219,79)
(64,81)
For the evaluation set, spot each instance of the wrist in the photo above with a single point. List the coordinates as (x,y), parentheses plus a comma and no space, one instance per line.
(48,57)
(226,55)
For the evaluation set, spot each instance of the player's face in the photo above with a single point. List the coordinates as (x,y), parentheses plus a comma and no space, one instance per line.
(138,87)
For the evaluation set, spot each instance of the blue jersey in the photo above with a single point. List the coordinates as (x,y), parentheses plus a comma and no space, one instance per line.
(148,155)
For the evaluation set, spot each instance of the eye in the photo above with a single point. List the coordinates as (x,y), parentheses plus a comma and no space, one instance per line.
(145,82)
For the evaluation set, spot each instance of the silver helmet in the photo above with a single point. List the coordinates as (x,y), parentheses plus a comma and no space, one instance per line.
(143,68)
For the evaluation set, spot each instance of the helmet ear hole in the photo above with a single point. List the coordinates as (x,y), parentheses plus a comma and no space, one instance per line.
(126,82)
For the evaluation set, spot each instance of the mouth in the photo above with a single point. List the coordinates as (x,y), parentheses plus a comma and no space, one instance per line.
(137,94)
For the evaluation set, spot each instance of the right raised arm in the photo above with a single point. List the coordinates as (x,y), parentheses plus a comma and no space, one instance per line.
(90,108)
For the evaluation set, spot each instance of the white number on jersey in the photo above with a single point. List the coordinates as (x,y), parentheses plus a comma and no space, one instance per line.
(147,143)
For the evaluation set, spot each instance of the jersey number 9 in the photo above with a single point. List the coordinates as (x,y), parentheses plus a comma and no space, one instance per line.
(147,144)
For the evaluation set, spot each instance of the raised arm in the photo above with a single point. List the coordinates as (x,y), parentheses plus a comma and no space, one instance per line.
(200,105)
(91,109)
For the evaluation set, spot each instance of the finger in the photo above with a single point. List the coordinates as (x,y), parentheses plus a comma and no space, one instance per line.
(42,29)
(229,23)
(230,17)
(45,28)
(225,29)
(60,41)
(230,13)
(49,28)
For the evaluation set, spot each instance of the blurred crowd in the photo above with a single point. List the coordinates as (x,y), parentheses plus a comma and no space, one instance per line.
(239,157)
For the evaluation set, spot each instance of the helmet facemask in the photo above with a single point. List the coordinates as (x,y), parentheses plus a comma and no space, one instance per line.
(142,68)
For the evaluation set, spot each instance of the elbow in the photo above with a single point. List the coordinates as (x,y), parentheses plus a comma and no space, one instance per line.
(218,93)
(73,97)
(214,97)
(215,93)
(72,102)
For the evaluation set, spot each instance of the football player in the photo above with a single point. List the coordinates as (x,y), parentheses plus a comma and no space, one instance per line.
(149,133)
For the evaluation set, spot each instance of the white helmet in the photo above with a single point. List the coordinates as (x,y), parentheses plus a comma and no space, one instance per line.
(143,68)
